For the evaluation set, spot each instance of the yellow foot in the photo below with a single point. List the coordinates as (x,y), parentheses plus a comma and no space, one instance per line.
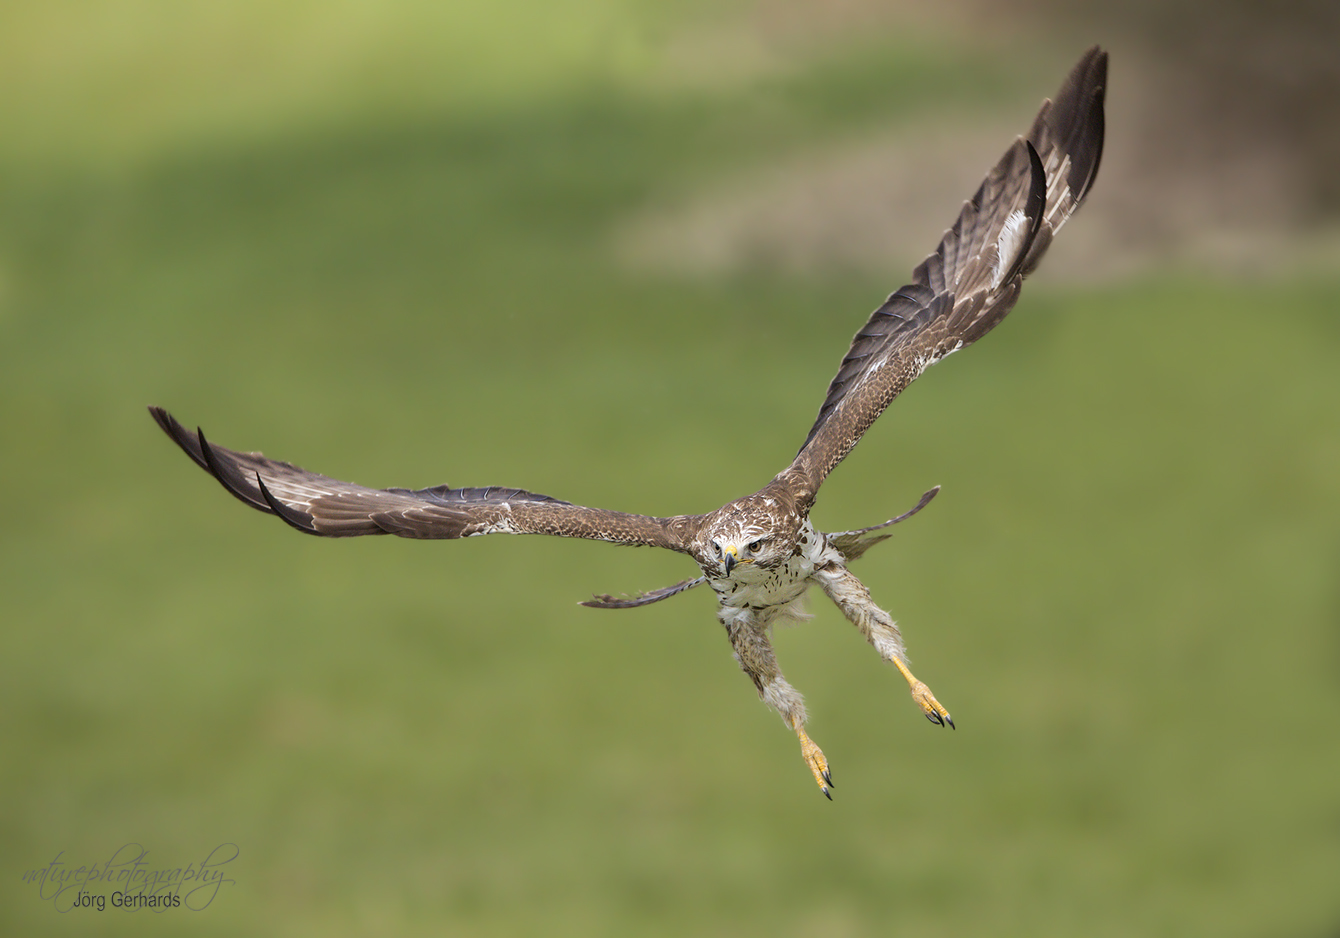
(814,758)
(925,699)
(933,709)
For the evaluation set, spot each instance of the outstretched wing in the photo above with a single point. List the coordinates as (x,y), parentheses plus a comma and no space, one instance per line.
(973,278)
(316,504)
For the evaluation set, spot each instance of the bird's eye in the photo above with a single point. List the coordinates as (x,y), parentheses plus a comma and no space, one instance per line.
(716,547)
(754,546)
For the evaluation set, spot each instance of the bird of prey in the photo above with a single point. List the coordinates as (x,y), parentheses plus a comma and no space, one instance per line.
(760,553)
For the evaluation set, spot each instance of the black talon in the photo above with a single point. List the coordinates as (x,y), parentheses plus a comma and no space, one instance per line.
(828,777)
(826,794)
(935,718)
(950,721)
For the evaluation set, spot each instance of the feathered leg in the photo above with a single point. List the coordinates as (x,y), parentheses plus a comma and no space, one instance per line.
(748,631)
(880,630)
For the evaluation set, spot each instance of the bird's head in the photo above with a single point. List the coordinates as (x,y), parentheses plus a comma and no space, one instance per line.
(757,532)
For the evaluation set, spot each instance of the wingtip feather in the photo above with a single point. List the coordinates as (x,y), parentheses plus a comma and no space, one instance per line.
(229,477)
(184,439)
(294,519)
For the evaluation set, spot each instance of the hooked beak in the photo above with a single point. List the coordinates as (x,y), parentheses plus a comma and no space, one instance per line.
(730,555)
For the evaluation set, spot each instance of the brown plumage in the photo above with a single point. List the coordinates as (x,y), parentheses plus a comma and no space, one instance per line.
(760,553)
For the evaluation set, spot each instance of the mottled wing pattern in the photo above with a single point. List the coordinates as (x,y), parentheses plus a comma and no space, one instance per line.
(316,504)
(957,295)
(963,289)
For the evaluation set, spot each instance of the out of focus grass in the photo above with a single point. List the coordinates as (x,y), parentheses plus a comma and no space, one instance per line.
(1126,593)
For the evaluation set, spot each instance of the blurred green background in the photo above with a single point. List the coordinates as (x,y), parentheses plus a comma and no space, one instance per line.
(390,242)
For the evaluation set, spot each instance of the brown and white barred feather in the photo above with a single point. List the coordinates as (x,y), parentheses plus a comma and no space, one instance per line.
(972,279)
(317,504)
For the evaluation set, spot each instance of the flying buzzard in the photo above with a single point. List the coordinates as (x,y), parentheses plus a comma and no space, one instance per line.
(760,553)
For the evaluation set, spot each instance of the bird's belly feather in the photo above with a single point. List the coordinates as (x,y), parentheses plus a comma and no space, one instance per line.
(776,587)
